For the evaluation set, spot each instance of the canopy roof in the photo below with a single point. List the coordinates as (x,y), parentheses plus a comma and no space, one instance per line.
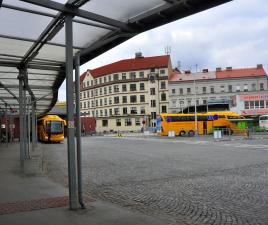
(32,38)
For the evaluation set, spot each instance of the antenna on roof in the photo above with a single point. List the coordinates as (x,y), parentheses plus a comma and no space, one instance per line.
(167,50)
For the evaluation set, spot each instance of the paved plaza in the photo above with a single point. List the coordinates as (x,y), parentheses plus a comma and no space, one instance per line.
(182,180)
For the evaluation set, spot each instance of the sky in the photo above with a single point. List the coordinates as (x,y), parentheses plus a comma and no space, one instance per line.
(234,34)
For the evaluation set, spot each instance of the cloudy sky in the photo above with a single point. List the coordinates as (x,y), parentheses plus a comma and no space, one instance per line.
(234,34)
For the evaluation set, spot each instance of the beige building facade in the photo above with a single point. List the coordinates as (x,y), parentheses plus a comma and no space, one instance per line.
(126,95)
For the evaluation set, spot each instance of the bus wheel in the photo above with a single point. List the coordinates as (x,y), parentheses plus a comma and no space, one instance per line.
(182,133)
(191,133)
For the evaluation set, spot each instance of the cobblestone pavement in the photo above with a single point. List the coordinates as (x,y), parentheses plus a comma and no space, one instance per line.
(185,181)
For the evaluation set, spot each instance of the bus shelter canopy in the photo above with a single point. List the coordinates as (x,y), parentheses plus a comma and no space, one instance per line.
(32,38)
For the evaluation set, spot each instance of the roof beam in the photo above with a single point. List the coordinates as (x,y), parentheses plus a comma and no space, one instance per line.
(81,13)
(36,12)
(10,92)
(14,86)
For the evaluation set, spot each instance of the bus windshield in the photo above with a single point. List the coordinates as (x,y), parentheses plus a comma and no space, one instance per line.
(263,117)
(54,127)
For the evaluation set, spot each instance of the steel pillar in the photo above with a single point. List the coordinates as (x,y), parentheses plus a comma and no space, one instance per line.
(70,114)
(21,110)
(6,127)
(78,130)
(33,127)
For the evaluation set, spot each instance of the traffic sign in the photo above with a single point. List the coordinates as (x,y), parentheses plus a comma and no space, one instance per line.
(215,117)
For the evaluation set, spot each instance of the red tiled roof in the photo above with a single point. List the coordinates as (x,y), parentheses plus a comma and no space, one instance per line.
(131,65)
(82,77)
(239,73)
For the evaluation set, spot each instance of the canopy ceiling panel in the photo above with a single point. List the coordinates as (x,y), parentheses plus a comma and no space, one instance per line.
(32,37)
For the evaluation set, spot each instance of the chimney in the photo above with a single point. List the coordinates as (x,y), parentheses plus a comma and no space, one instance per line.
(259,66)
(138,55)
(205,70)
(229,68)
(218,69)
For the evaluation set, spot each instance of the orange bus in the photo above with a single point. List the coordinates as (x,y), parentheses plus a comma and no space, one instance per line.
(50,128)
(184,124)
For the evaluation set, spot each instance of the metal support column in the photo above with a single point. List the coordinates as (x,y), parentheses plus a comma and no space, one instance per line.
(33,126)
(70,114)
(22,146)
(6,125)
(78,130)
(25,126)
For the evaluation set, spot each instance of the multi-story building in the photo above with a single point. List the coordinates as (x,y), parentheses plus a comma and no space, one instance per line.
(236,86)
(126,95)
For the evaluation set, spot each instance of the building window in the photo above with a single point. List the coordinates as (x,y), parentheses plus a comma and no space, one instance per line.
(96,81)
(153,115)
(100,102)
(230,88)
(251,104)
(124,77)
(105,123)
(88,94)
(188,90)
(133,110)
(152,91)
(118,122)
(189,102)
(142,86)
(261,104)
(137,122)
(197,101)
(133,98)
(141,74)
(261,86)
(110,101)
(101,112)
(237,88)
(245,87)
(152,70)
(204,90)
(116,88)
(100,91)
(153,103)
(253,87)
(111,112)
(132,75)
(105,112)
(104,79)
(128,122)
(91,82)
(85,105)
(246,103)
(100,80)
(173,103)
(116,111)
(92,93)
(222,88)
(132,87)
(124,87)
(181,91)
(212,89)
(164,109)
(163,97)
(84,94)
(110,89)
(124,99)
(162,72)
(142,110)
(105,90)
(163,85)
(257,104)
(96,92)
(92,103)
(116,77)
(142,98)
(173,91)
(110,78)
(124,110)
(116,100)
(88,104)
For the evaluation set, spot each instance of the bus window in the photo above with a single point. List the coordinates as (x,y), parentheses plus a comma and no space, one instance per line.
(54,127)
(263,121)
